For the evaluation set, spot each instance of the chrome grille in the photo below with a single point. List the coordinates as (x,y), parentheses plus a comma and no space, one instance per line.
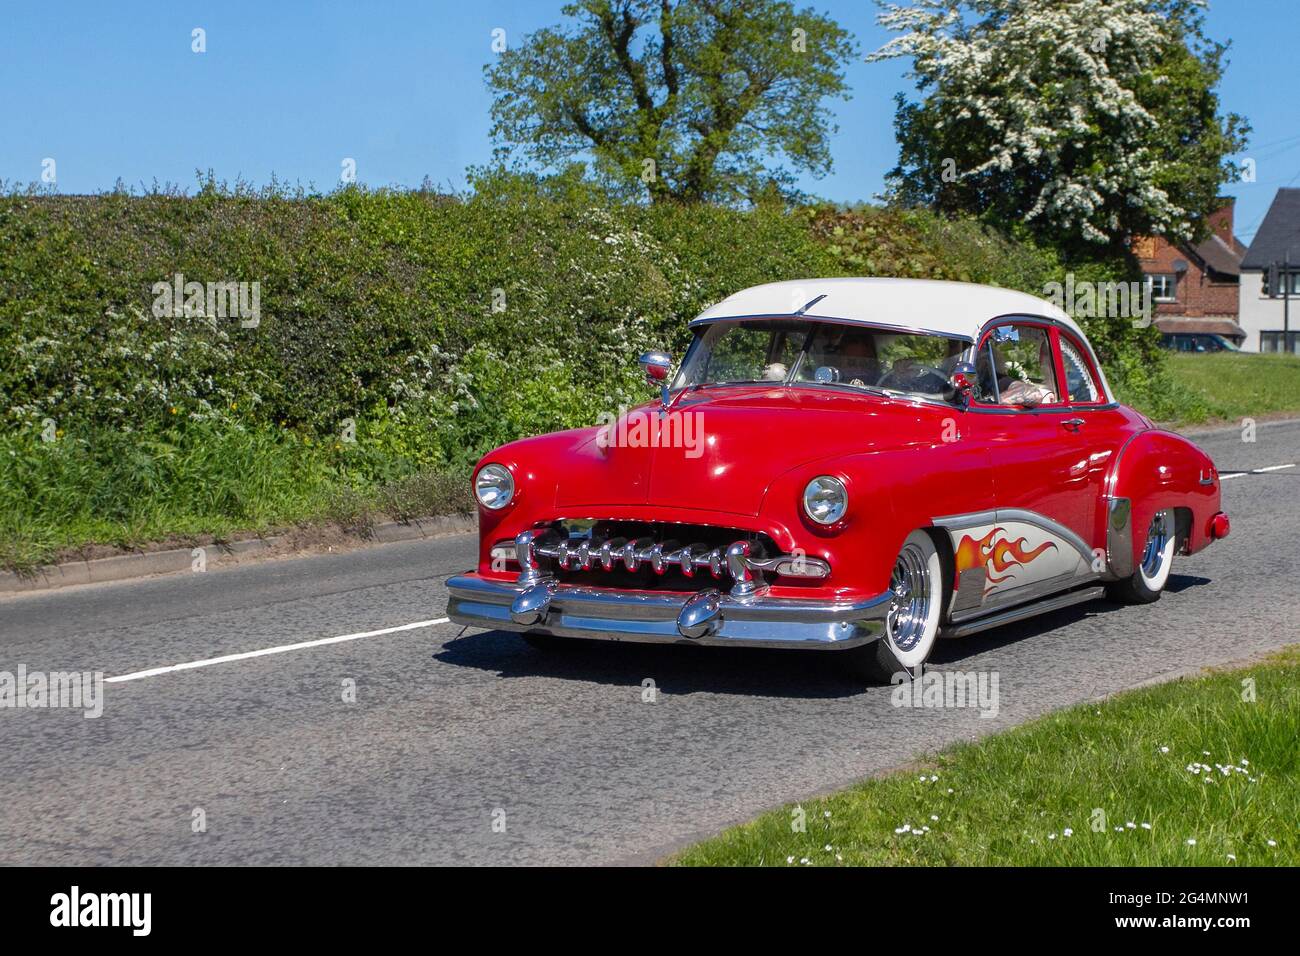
(544,553)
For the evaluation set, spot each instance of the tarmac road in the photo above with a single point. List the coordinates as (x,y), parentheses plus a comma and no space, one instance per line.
(449,733)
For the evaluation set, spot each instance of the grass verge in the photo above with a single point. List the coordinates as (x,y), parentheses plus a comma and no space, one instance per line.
(1137,780)
(1235,385)
(76,494)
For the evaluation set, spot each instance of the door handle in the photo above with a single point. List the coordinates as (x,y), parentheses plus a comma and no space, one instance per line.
(1073,424)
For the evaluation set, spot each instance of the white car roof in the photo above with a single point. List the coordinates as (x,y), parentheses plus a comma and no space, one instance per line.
(947,308)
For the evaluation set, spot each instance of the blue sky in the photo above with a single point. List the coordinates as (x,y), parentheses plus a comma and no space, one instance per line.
(113,90)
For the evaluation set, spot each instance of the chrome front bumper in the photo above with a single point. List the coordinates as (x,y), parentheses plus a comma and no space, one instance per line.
(709,617)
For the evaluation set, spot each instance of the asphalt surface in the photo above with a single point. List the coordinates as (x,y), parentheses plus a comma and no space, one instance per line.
(450,735)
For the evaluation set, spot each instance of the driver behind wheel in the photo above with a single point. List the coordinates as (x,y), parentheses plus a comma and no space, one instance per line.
(858,363)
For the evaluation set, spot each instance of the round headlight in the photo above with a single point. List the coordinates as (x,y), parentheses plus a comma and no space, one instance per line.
(494,486)
(825,499)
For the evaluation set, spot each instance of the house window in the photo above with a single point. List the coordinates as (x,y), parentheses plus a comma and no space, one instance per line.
(1292,278)
(1163,286)
(1279,341)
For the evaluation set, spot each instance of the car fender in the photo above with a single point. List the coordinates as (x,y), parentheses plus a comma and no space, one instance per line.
(892,492)
(1156,470)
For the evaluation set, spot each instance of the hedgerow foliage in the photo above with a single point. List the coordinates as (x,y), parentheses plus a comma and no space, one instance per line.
(445,325)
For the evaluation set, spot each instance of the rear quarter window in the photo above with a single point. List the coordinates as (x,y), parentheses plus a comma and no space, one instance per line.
(1080,385)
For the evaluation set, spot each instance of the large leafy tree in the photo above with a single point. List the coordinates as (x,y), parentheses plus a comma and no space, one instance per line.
(1087,121)
(676,100)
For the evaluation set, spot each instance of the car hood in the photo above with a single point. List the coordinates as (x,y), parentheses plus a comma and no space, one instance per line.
(720,448)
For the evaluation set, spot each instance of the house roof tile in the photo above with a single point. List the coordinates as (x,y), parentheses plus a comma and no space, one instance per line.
(1279,233)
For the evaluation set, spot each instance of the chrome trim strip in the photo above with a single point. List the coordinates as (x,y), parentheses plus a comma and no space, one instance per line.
(1023,594)
(1040,409)
(657,617)
(1119,536)
(1112,473)
(1058,324)
(1024,611)
(971,520)
(975,519)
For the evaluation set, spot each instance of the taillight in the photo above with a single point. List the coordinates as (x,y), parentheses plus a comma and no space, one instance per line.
(1219,526)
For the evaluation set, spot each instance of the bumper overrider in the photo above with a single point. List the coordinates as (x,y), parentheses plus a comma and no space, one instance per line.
(743,615)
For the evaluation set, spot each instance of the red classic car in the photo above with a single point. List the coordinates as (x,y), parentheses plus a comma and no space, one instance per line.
(856,465)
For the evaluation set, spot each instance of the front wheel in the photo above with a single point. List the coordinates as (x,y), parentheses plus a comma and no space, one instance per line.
(912,621)
(1146,582)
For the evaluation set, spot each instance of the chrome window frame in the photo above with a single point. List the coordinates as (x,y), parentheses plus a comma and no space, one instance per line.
(789,380)
(1106,402)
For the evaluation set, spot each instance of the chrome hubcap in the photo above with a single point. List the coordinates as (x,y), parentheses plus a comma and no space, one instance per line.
(1158,535)
(910,608)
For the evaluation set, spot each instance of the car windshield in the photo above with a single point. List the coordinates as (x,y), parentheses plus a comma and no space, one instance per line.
(793,352)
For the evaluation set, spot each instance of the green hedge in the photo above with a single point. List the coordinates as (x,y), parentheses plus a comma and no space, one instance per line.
(445,325)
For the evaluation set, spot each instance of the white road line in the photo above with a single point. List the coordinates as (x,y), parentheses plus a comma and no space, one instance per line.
(282,649)
(1256,471)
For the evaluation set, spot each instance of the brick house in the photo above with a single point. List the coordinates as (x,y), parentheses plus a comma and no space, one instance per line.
(1195,288)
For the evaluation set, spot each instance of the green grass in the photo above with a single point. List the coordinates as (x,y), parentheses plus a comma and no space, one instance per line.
(1000,800)
(1239,385)
(127,490)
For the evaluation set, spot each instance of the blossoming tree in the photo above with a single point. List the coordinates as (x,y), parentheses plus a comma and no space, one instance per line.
(1086,121)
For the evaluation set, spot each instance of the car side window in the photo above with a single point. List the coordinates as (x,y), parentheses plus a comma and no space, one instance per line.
(1080,386)
(1015,368)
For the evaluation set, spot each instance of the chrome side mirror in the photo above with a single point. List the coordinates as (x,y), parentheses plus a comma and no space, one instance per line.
(962,381)
(656,366)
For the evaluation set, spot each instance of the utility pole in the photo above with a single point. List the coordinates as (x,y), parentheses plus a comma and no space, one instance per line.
(1286,301)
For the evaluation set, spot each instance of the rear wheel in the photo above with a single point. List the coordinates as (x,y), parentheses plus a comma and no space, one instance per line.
(1148,579)
(912,621)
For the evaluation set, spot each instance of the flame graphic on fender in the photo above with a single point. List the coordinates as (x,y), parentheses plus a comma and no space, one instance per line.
(998,557)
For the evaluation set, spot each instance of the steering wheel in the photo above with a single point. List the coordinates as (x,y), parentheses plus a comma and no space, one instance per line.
(916,378)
